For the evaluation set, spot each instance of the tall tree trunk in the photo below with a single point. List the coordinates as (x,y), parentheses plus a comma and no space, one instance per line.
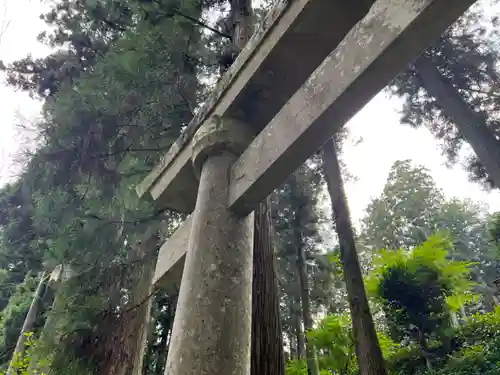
(296,336)
(164,322)
(59,275)
(312,362)
(292,341)
(143,301)
(241,20)
(471,124)
(368,350)
(133,323)
(28,325)
(267,339)
(160,361)
(298,333)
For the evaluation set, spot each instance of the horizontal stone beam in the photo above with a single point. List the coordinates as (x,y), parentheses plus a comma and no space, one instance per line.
(295,38)
(374,52)
(170,264)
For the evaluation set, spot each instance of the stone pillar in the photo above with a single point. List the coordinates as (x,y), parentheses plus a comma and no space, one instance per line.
(211,331)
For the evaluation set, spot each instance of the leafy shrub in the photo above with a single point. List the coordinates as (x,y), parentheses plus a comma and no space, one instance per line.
(474,360)
(473,348)
(296,367)
(22,362)
(480,328)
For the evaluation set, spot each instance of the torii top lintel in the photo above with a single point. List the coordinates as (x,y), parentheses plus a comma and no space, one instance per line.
(292,41)
(287,75)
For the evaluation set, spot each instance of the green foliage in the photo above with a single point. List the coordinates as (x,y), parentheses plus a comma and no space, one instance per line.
(13,315)
(479,328)
(296,367)
(464,348)
(299,367)
(118,91)
(482,359)
(297,240)
(476,346)
(494,233)
(417,289)
(411,208)
(333,340)
(466,56)
(404,214)
(22,363)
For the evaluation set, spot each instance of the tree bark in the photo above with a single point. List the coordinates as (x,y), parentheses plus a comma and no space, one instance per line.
(296,337)
(28,325)
(368,350)
(241,20)
(163,328)
(267,339)
(299,334)
(129,340)
(143,300)
(292,340)
(312,363)
(472,125)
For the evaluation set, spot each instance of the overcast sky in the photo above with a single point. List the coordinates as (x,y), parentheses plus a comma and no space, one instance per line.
(385,140)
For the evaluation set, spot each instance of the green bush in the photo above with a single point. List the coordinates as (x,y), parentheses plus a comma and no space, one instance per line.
(409,360)
(22,361)
(473,348)
(474,360)
(480,328)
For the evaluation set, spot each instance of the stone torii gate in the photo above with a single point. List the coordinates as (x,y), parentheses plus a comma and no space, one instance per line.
(310,67)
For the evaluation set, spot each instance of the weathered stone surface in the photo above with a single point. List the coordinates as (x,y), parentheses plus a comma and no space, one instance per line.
(294,40)
(217,135)
(171,258)
(211,332)
(177,186)
(374,51)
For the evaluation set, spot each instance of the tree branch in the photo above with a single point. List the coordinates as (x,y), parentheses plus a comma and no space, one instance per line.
(177,12)
(199,23)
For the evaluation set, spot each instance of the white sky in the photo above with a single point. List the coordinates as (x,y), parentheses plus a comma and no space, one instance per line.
(385,140)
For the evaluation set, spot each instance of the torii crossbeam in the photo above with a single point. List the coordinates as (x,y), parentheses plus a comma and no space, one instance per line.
(303,75)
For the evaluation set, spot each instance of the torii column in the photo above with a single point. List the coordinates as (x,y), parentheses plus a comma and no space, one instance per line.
(211,331)
(295,92)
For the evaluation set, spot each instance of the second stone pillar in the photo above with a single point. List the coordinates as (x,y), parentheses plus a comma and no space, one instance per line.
(211,331)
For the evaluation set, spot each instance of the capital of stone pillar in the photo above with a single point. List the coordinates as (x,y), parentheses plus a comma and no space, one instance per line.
(211,331)
(218,135)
